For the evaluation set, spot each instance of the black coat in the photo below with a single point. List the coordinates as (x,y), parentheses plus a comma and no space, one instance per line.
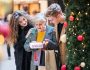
(22,58)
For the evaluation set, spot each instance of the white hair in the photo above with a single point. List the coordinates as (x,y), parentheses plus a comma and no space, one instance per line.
(40,17)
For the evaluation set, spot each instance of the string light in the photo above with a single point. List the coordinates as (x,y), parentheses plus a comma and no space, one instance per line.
(83,32)
(69,50)
(67,4)
(76,49)
(67,56)
(84,46)
(69,29)
(88,4)
(68,42)
(75,34)
(86,13)
(83,50)
(83,57)
(79,13)
(74,53)
(82,43)
(77,18)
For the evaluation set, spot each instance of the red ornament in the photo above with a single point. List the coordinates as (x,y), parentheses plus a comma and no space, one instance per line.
(65,24)
(80,38)
(71,18)
(77,68)
(4,29)
(63,67)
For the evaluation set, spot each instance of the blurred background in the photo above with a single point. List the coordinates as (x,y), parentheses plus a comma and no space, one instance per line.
(9,6)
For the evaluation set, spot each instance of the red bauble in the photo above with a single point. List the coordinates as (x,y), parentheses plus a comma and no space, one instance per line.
(63,67)
(80,38)
(77,68)
(4,29)
(65,24)
(71,18)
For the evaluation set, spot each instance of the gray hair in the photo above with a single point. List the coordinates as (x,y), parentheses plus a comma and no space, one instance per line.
(40,17)
(53,9)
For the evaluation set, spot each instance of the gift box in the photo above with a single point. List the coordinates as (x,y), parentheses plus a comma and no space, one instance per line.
(36,45)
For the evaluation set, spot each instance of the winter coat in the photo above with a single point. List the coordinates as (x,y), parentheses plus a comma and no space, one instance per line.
(21,56)
(52,45)
(61,45)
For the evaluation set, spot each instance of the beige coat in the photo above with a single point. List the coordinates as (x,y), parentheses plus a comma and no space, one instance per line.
(62,46)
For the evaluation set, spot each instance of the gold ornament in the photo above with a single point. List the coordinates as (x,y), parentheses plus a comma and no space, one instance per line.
(72,13)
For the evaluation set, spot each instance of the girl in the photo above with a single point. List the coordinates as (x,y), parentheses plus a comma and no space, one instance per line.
(20,24)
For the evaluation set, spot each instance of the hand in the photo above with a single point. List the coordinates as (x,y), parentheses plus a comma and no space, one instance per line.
(45,42)
(33,42)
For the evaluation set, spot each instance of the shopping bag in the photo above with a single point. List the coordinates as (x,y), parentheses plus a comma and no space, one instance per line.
(37,55)
(41,67)
(50,61)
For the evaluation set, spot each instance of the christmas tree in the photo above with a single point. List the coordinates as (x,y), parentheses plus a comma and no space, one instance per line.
(78,34)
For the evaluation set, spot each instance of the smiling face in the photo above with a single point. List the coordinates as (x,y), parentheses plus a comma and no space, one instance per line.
(40,26)
(22,21)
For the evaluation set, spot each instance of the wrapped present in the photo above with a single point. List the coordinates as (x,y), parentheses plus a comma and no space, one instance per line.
(50,61)
(36,45)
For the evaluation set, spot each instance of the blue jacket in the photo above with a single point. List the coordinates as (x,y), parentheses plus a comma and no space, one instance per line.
(52,45)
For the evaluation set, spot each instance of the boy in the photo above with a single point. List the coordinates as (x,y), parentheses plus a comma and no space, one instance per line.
(57,17)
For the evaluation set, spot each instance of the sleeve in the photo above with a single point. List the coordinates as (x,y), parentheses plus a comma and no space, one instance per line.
(28,40)
(53,42)
(26,45)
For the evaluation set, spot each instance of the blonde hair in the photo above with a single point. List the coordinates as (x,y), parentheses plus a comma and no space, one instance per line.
(53,10)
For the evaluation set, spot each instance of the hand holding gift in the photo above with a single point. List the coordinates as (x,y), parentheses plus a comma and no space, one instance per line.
(36,45)
(45,42)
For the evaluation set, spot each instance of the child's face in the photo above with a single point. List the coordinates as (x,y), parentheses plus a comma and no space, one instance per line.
(22,21)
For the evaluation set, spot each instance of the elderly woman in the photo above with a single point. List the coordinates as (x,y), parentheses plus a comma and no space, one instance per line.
(41,33)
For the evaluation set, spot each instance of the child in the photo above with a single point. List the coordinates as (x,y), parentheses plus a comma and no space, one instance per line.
(20,24)
(57,17)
